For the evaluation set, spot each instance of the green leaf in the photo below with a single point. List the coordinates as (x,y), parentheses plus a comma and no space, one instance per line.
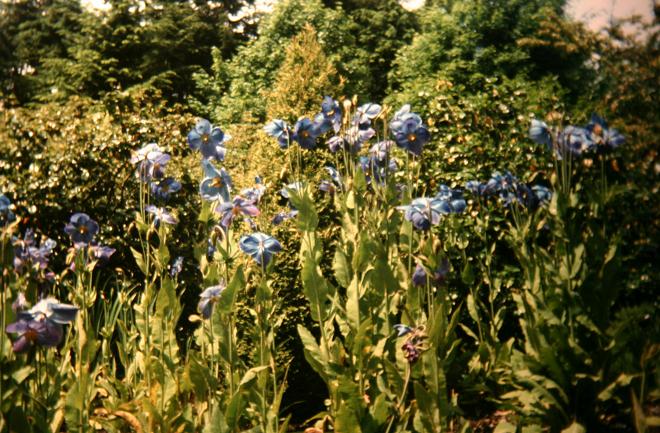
(342,268)
(216,422)
(467,275)
(313,353)
(315,288)
(578,255)
(251,374)
(228,297)
(353,303)
(234,410)
(472,308)
(139,260)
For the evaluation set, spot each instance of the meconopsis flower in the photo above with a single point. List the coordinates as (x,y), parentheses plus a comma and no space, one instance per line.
(453,197)
(424,211)
(260,246)
(329,117)
(281,131)
(160,215)
(42,324)
(510,190)
(256,192)
(542,193)
(420,276)
(6,215)
(163,188)
(601,135)
(231,209)
(151,162)
(575,140)
(375,170)
(176,267)
(27,254)
(366,113)
(209,140)
(216,185)
(540,133)
(415,343)
(208,298)
(81,229)
(409,131)
(331,186)
(280,217)
(305,133)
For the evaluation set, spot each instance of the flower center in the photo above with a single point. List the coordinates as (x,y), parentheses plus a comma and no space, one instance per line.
(205,138)
(412,137)
(82,230)
(236,210)
(30,335)
(305,134)
(217,182)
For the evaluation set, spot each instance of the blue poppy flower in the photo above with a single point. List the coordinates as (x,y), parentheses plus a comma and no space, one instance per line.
(280,217)
(336,143)
(401,117)
(602,135)
(30,332)
(542,193)
(281,131)
(305,133)
(229,210)
(411,135)
(208,297)
(164,187)
(375,170)
(356,137)
(151,162)
(453,197)
(424,211)
(256,192)
(575,140)
(438,276)
(51,309)
(330,116)
(366,113)
(327,186)
(402,329)
(177,266)
(539,132)
(380,151)
(209,140)
(28,254)
(216,185)
(261,247)
(6,215)
(101,252)
(81,228)
(160,214)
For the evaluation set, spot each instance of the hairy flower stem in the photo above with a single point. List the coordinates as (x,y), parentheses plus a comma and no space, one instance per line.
(400,400)
(230,333)
(146,253)
(3,300)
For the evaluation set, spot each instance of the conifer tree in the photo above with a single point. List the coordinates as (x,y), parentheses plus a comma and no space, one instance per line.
(305,75)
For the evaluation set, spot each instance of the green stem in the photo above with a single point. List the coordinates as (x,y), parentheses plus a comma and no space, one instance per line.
(400,400)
